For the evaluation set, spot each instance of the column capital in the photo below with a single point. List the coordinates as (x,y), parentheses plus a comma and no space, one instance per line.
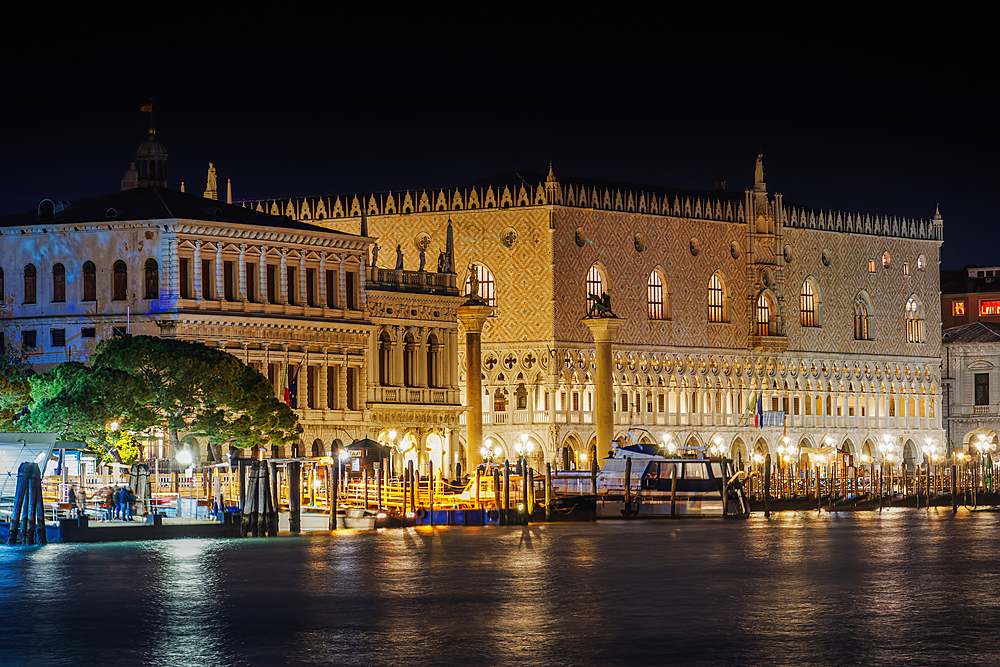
(604,329)
(473,315)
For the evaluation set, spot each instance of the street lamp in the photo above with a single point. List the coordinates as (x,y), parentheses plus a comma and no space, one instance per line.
(668,443)
(984,447)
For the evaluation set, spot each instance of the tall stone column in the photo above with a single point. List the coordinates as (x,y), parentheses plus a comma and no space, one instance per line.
(604,330)
(472,314)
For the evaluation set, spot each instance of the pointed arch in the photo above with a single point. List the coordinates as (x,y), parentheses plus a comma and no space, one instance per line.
(766,314)
(718,298)
(597,282)
(914,319)
(862,317)
(487,283)
(658,295)
(810,304)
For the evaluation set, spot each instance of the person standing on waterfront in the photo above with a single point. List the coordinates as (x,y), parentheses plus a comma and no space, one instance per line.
(81,502)
(109,503)
(119,500)
(72,500)
(128,499)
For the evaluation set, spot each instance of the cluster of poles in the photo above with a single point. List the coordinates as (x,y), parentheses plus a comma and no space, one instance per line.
(965,481)
(27,522)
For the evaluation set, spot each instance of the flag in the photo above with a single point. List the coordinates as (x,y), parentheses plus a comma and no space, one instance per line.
(758,418)
(293,388)
(146,108)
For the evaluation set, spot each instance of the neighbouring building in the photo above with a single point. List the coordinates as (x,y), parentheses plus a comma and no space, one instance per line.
(830,320)
(971,376)
(290,298)
(969,295)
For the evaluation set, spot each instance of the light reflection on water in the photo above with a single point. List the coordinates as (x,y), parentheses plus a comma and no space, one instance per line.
(900,587)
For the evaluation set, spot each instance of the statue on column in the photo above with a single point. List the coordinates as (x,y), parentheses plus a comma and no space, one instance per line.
(758,173)
(375,254)
(473,282)
(441,262)
(423,258)
(399,257)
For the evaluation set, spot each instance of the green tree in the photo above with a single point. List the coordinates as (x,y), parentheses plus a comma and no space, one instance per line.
(193,388)
(15,389)
(80,402)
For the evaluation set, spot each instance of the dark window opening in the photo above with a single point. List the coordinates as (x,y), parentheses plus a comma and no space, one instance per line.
(290,284)
(58,283)
(30,284)
(89,281)
(352,297)
(332,289)
(120,282)
(29,340)
(185,278)
(88,332)
(311,287)
(152,282)
(251,282)
(227,280)
(272,283)
(206,279)
(982,394)
(58,337)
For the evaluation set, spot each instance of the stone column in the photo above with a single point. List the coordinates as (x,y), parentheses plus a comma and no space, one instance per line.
(302,279)
(472,314)
(262,275)
(322,279)
(284,291)
(604,330)
(242,293)
(197,271)
(220,290)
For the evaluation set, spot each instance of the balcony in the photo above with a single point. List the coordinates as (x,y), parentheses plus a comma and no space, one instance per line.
(415,395)
(982,409)
(412,281)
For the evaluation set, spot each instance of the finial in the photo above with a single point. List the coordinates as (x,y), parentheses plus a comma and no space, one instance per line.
(937,211)
(551,178)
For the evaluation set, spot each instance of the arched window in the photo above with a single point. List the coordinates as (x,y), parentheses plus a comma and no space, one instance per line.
(409,360)
(861,320)
(384,359)
(487,286)
(657,296)
(30,283)
(914,322)
(89,281)
(120,283)
(433,353)
(807,305)
(152,279)
(596,285)
(58,283)
(716,299)
(765,315)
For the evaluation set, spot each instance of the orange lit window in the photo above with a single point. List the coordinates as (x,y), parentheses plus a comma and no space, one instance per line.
(989,307)
(958,308)
(871,266)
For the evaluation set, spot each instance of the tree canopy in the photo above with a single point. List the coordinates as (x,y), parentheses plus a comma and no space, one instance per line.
(150,383)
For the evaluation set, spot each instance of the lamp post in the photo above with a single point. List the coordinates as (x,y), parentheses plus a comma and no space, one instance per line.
(984,447)
(184,458)
(931,451)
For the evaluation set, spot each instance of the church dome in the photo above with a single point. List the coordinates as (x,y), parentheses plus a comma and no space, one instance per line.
(151,148)
(151,158)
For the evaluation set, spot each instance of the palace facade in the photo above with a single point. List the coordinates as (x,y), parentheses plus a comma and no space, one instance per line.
(289,298)
(830,321)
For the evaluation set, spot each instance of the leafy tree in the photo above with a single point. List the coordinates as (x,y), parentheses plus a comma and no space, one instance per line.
(193,388)
(79,403)
(15,388)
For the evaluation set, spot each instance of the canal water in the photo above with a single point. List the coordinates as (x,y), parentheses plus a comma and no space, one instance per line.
(900,587)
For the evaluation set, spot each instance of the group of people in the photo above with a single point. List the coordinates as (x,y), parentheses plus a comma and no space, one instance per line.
(118,502)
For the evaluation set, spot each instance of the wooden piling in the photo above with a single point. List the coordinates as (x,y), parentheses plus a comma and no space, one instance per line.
(364,477)
(628,487)
(478,482)
(430,491)
(524,491)
(673,492)
(496,494)
(413,489)
(548,491)
(243,481)
(593,483)
(294,497)
(954,489)
(767,485)
(504,514)
(378,490)
(725,489)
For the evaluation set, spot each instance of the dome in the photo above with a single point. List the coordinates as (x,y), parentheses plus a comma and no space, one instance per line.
(150,148)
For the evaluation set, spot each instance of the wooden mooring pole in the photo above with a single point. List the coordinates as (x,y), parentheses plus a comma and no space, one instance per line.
(504,516)
(294,497)
(548,491)
(673,491)
(767,485)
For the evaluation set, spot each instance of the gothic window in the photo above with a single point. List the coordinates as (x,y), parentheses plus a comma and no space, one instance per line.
(861,320)
(487,286)
(807,305)
(716,299)
(657,298)
(914,322)
(30,283)
(152,279)
(596,285)
(764,314)
(89,281)
(120,282)
(58,283)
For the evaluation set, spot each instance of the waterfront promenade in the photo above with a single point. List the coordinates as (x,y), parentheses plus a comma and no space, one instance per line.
(903,587)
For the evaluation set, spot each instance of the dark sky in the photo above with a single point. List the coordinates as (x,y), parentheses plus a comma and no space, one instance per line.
(882,119)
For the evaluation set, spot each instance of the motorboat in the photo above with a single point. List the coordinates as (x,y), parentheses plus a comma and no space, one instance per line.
(657,485)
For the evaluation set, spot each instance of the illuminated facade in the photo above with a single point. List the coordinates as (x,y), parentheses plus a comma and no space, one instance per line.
(289,298)
(831,319)
(970,295)
(971,375)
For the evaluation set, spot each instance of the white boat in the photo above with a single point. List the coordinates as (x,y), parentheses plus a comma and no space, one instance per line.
(650,490)
(357,518)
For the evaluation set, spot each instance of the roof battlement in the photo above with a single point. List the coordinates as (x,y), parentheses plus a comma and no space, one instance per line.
(521,189)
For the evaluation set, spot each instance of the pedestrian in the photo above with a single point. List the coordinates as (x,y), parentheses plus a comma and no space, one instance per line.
(118,502)
(72,500)
(109,503)
(81,499)
(128,499)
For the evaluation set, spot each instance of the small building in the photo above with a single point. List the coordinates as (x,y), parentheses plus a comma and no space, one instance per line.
(971,378)
(971,294)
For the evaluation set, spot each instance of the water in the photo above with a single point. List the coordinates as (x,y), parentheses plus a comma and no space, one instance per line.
(903,587)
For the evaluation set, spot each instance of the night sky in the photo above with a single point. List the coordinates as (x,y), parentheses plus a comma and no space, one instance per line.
(884,119)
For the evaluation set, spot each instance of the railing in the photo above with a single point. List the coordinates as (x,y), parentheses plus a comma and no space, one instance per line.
(391,278)
(981,409)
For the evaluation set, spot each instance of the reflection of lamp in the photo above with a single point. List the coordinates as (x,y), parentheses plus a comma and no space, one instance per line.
(668,442)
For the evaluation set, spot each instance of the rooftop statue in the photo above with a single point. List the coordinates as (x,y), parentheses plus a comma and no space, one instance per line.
(375,254)
(399,257)
(758,173)
(473,282)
